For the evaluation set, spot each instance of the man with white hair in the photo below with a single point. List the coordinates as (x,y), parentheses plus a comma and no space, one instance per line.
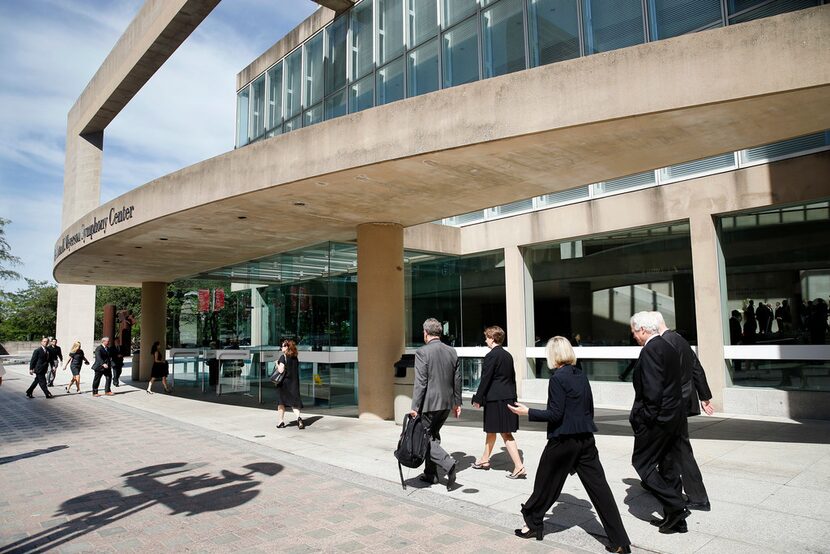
(657,418)
(694,386)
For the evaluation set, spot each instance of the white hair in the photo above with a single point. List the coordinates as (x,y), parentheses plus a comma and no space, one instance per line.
(646,321)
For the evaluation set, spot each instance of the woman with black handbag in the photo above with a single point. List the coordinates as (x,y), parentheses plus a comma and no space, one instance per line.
(288,391)
(160,369)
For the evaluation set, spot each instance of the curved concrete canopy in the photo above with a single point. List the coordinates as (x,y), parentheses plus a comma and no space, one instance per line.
(467,148)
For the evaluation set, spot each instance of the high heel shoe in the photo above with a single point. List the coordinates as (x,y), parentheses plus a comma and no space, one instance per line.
(481,465)
(619,549)
(530,533)
(300,423)
(149,391)
(281,425)
(520,474)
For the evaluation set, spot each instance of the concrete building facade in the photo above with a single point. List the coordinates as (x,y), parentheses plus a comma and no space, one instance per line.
(548,166)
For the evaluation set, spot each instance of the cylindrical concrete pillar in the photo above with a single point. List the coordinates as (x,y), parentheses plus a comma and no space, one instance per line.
(380,315)
(153,323)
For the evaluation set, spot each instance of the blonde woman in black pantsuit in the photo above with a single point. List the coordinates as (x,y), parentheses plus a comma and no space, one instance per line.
(570,447)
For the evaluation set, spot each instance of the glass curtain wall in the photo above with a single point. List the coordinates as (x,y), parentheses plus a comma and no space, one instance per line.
(242,109)
(275,100)
(257,108)
(612,24)
(778,289)
(588,289)
(553,31)
(502,27)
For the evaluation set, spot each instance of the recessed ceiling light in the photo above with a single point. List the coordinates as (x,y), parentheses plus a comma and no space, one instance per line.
(299,204)
(162,238)
(242,217)
(138,246)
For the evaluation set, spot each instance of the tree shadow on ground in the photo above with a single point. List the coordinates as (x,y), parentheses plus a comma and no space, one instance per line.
(32,454)
(90,512)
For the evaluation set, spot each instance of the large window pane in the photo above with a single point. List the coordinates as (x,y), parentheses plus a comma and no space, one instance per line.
(504,42)
(390,82)
(313,115)
(670,18)
(362,53)
(554,31)
(461,54)
(275,96)
(423,20)
(612,24)
(293,124)
(456,10)
(242,104)
(592,286)
(765,9)
(390,29)
(336,35)
(293,83)
(314,70)
(337,104)
(422,67)
(361,95)
(257,108)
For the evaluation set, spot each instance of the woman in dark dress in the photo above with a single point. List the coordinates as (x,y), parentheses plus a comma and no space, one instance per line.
(288,394)
(570,448)
(160,368)
(497,390)
(74,361)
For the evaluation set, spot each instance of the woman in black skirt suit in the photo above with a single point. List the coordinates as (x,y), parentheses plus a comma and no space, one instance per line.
(289,393)
(496,390)
(570,448)
(74,361)
(160,369)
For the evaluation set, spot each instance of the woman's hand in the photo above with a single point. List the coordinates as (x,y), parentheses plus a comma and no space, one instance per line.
(476,405)
(518,409)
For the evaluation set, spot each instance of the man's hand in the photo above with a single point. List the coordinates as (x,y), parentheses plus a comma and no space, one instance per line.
(707,407)
(518,409)
(457,411)
(413,413)
(476,405)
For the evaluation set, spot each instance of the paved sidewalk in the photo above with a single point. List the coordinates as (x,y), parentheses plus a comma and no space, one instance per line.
(769,481)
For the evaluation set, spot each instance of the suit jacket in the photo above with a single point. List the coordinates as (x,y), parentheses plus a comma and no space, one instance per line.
(437,378)
(40,360)
(115,356)
(102,356)
(498,378)
(694,387)
(55,353)
(658,396)
(570,409)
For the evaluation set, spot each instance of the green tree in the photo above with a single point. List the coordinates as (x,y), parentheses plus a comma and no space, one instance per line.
(6,258)
(29,313)
(124,298)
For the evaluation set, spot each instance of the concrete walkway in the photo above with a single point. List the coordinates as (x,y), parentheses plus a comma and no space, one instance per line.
(768,480)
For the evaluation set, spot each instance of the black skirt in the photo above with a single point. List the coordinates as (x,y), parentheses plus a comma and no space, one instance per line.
(159,370)
(499,419)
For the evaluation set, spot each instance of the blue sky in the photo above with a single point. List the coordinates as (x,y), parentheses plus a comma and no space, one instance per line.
(49,50)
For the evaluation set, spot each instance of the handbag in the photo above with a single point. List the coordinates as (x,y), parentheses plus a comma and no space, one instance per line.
(277,378)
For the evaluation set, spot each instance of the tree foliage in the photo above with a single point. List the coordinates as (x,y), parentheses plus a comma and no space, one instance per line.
(124,298)
(6,258)
(29,313)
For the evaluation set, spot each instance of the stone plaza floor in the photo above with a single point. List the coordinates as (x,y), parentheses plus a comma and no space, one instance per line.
(164,473)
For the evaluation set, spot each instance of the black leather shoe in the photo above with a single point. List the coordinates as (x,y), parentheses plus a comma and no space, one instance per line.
(681,527)
(618,549)
(430,478)
(537,533)
(699,506)
(672,519)
(451,478)
(29,395)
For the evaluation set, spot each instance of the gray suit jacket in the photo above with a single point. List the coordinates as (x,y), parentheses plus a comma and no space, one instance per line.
(437,378)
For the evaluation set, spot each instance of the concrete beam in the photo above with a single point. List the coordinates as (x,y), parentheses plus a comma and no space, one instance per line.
(338,6)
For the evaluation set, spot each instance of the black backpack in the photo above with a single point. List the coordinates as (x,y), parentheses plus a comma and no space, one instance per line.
(413,444)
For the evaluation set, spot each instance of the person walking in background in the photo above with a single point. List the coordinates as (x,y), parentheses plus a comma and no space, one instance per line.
(288,394)
(117,358)
(38,366)
(102,366)
(696,395)
(496,390)
(436,393)
(570,447)
(55,357)
(656,418)
(74,360)
(160,368)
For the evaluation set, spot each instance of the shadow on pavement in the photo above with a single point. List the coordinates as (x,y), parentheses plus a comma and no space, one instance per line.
(32,454)
(578,512)
(90,512)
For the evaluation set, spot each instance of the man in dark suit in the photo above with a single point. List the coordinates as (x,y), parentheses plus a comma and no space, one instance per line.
(117,362)
(102,368)
(55,358)
(436,393)
(694,387)
(38,366)
(657,417)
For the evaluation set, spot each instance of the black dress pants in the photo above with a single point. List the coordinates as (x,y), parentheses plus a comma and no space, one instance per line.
(40,379)
(561,456)
(655,460)
(437,456)
(116,373)
(690,473)
(103,372)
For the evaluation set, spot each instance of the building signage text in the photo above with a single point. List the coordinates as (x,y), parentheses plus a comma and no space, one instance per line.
(88,230)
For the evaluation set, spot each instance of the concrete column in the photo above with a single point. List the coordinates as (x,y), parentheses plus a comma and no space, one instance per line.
(710,298)
(380,315)
(518,288)
(81,194)
(153,323)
